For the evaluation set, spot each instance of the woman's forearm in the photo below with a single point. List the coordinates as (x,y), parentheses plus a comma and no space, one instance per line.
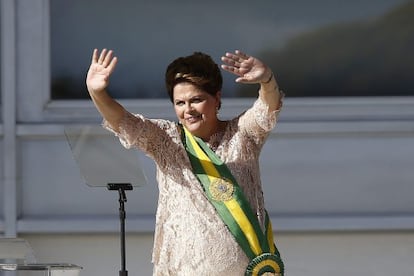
(270,93)
(109,108)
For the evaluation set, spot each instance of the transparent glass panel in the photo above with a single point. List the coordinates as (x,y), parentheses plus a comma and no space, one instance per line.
(316,48)
(53,184)
(116,164)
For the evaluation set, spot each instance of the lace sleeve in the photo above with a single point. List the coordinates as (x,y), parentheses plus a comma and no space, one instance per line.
(258,121)
(136,131)
(130,128)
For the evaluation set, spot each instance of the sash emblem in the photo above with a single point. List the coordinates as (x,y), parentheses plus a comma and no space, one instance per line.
(221,189)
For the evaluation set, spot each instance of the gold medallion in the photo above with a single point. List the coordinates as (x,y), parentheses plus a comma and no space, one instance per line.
(221,189)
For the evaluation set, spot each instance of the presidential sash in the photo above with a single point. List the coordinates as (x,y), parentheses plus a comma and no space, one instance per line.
(226,196)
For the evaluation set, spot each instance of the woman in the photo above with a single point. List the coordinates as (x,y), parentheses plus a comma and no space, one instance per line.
(210,218)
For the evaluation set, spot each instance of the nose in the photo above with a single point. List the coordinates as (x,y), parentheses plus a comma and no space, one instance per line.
(188,107)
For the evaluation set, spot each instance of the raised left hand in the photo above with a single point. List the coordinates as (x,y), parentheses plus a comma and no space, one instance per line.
(248,69)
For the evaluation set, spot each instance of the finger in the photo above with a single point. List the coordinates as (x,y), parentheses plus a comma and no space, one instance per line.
(244,79)
(95,56)
(230,61)
(112,65)
(234,57)
(107,59)
(230,69)
(227,67)
(241,54)
(102,56)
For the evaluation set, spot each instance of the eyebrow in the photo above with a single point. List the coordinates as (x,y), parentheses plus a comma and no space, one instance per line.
(198,96)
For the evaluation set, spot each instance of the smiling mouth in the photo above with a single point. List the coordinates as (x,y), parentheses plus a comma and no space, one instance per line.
(193,119)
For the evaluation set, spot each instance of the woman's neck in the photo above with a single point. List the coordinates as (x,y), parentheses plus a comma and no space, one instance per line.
(219,126)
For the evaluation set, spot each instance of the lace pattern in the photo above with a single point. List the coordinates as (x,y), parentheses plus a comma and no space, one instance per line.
(190,238)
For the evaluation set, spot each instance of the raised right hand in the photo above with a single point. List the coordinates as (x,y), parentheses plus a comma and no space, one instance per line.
(100,70)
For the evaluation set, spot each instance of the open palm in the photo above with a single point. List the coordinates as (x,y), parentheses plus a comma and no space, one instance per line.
(247,68)
(100,70)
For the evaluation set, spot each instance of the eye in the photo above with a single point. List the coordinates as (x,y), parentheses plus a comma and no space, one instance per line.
(179,103)
(196,100)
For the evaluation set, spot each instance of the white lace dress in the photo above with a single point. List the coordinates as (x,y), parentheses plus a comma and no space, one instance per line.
(190,238)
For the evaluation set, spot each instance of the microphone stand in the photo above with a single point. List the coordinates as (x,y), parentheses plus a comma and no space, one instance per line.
(121,188)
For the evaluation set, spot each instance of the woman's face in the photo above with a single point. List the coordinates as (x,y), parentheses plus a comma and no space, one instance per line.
(196,109)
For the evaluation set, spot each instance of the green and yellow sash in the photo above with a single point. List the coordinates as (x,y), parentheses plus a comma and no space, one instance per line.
(232,206)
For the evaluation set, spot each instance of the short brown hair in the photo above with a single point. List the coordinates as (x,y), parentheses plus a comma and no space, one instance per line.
(198,69)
